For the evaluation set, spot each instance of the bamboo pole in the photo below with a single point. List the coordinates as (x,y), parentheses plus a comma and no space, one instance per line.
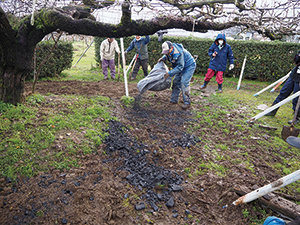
(242,72)
(268,188)
(273,84)
(124,67)
(83,53)
(33,9)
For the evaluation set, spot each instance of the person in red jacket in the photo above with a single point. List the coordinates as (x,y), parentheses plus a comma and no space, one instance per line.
(220,52)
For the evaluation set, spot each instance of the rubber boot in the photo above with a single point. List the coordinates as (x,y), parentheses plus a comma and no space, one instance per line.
(186,96)
(272,113)
(204,85)
(220,88)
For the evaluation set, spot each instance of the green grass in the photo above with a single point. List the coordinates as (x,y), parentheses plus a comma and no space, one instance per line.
(242,105)
(40,134)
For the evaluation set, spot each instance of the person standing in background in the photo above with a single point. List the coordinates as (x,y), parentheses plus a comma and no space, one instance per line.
(140,45)
(108,48)
(220,52)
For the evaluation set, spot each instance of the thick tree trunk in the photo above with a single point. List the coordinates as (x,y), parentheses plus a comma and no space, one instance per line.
(12,83)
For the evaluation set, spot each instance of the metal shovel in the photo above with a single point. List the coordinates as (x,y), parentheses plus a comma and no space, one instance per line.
(291,130)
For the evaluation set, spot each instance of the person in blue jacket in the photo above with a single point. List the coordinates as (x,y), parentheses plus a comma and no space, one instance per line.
(184,65)
(140,45)
(289,87)
(220,52)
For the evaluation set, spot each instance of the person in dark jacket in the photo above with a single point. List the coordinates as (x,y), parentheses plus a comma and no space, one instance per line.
(291,85)
(184,65)
(139,44)
(220,52)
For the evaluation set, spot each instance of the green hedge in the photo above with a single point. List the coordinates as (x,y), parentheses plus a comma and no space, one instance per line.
(266,61)
(61,58)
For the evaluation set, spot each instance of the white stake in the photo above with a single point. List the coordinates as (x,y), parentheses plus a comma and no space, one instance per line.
(124,67)
(242,72)
(271,85)
(274,107)
(268,188)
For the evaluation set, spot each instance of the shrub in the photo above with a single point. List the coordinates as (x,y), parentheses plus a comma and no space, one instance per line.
(61,58)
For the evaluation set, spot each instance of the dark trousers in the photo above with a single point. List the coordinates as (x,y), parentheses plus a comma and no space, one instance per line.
(144,64)
(288,87)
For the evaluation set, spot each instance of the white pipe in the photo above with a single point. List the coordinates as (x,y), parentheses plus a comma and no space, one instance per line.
(130,63)
(271,85)
(274,107)
(268,188)
(124,67)
(242,72)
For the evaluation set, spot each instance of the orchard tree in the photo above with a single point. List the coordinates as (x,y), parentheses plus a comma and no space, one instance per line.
(24,23)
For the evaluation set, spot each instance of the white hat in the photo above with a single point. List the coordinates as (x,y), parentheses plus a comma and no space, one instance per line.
(166,46)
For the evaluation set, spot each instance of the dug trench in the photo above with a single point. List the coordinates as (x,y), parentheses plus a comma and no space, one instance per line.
(140,174)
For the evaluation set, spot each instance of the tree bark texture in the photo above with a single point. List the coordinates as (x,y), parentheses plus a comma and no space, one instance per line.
(12,84)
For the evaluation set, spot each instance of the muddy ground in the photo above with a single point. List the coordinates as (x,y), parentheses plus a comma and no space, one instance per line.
(122,186)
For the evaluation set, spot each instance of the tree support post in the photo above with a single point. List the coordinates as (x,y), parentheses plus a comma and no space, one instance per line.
(271,85)
(242,72)
(268,188)
(124,67)
(274,107)
(83,53)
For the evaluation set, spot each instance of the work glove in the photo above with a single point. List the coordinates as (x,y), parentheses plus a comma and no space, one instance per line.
(231,66)
(167,75)
(161,59)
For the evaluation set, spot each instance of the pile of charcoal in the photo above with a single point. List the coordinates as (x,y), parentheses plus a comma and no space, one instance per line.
(143,173)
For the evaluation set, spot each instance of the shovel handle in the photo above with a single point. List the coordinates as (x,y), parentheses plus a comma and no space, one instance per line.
(296,111)
(137,55)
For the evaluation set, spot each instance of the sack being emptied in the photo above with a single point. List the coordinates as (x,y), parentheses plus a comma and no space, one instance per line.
(155,81)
